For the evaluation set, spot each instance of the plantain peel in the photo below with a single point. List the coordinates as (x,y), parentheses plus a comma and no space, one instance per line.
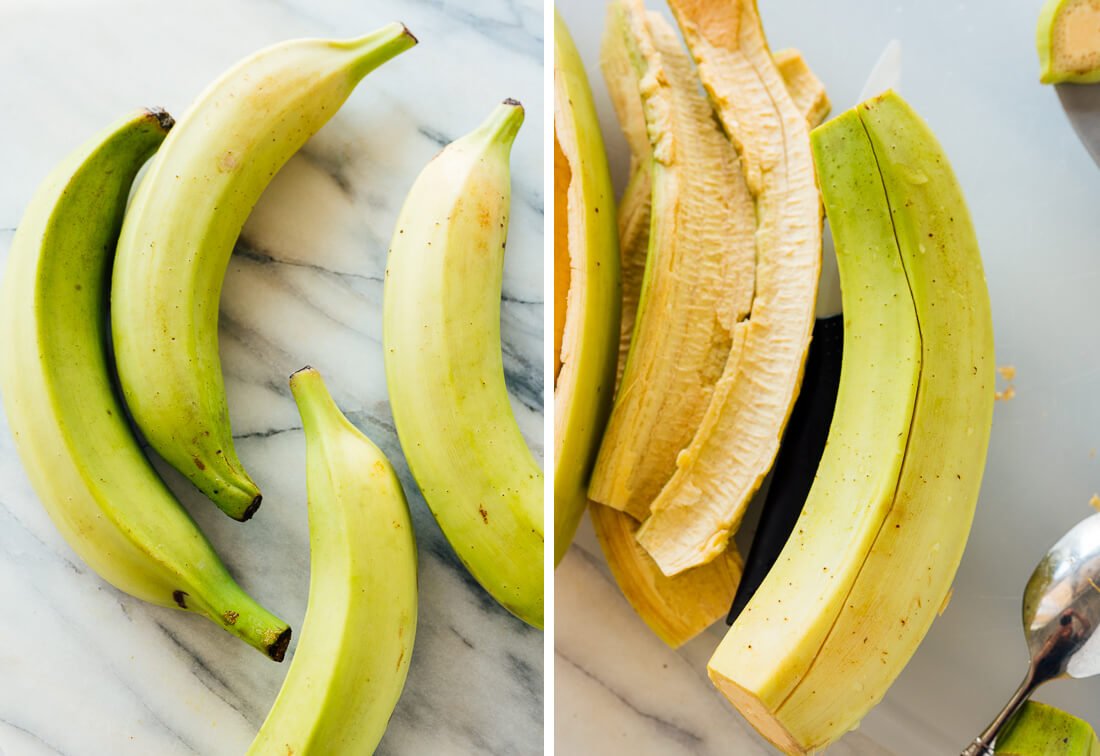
(675,608)
(586,284)
(737,437)
(822,640)
(698,283)
(1041,730)
(806,90)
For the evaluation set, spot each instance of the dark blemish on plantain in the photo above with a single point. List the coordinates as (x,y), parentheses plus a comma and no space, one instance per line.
(484,514)
(230,617)
(277,650)
(252,510)
(198,463)
(180,597)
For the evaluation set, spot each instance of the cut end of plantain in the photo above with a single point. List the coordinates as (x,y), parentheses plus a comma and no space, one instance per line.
(1068,42)
(757,714)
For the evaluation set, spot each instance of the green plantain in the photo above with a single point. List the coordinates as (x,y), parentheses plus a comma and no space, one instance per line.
(444,369)
(180,230)
(353,656)
(70,428)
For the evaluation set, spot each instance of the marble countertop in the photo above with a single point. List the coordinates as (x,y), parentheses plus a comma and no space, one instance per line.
(970,69)
(87,670)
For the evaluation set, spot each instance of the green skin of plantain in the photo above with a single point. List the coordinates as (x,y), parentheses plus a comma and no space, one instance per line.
(444,369)
(70,428)
(907,572)
(350,665)
(776,638)
(1051,17)
(1041,730)
(180,231)
(587,380)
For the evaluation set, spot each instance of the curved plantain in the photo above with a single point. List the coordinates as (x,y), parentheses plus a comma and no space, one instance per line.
(70,428)
(586,245)
(357,638)
(881,156)
(444,370)
(179,234)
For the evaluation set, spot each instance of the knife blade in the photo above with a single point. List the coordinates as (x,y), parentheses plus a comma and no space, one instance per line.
(1082,105)
(808,427)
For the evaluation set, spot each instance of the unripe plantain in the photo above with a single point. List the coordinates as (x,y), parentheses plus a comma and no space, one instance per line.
(880,157)
(180,230)
(70,428)
(350,665)
(445,372)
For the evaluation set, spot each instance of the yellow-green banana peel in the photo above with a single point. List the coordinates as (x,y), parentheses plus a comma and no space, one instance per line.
(444,370)
(813,694)
(70,428)
(585,383)
(353,655)
(180,230)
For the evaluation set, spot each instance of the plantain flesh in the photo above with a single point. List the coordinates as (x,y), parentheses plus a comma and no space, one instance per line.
(1068,41)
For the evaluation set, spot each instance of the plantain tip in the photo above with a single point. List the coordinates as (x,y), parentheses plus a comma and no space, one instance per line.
(166,121)
(277,650)
(410,35)
(251,510)
(513,102)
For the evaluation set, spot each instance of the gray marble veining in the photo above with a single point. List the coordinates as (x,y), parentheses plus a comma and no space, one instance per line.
(87,670)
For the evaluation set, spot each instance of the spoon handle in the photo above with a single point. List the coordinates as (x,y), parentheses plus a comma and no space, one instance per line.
(983,744)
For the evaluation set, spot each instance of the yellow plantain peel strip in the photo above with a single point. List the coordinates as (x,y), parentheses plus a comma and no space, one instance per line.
(807,91)
(623,79)
(804,688)
(675,608)
(698,283)
(735,443)
(586,264)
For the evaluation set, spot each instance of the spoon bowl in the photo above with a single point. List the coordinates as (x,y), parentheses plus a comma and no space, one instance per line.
(1060,615)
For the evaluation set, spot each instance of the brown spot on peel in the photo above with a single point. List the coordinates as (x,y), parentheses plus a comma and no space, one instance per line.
(180,597)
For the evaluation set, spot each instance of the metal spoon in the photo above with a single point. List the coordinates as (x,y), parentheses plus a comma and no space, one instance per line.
(1061,611)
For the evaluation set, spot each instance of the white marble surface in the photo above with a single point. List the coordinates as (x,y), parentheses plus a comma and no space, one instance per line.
(970,68)
(86,670)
